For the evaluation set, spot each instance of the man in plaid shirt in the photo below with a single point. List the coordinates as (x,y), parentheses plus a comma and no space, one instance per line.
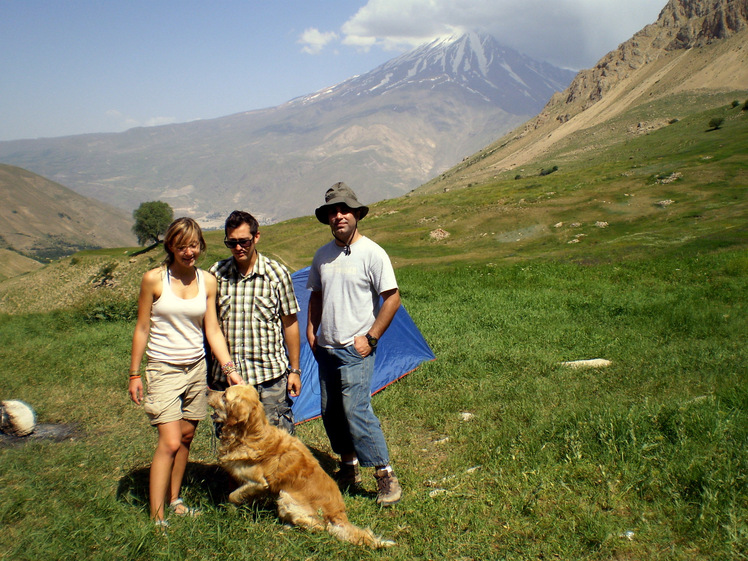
(257,312)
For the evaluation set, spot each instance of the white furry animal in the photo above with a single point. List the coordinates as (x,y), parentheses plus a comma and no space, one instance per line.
(17,418)
(267,460)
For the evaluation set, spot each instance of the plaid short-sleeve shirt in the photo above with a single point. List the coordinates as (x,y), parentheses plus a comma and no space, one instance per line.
(249,311)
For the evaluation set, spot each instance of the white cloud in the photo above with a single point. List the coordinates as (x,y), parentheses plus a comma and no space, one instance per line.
(572,33)
(124,122)
(156,121)
(314,40)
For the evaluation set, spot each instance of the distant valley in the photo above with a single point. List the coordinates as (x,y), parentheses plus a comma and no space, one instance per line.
(682,64)
(384,133)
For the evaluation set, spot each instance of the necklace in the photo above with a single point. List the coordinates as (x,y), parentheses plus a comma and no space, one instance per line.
(185,279)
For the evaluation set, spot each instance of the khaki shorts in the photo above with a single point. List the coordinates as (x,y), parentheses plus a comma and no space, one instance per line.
(176,392)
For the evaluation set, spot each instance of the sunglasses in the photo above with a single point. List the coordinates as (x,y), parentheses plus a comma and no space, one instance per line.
(244,242)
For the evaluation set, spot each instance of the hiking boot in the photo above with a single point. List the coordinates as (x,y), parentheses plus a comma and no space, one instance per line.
(388,488)
(348,476)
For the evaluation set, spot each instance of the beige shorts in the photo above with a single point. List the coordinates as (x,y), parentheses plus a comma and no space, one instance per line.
(176,392)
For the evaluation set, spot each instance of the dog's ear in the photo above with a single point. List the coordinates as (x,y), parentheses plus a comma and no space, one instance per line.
(214,398)
(237,405)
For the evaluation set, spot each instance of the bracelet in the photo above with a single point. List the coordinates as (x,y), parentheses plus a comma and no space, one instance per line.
(294,371)
(133,376)
(228,369)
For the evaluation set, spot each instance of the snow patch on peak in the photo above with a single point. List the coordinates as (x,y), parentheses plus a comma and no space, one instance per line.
(512,73)
(473,61)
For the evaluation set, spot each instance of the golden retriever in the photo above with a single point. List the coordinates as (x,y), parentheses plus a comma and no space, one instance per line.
(267,460)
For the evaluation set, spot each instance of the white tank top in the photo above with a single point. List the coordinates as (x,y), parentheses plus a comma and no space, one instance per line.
(176,334)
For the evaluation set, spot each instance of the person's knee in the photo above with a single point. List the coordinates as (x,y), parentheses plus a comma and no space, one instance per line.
(188,433)
(169,446)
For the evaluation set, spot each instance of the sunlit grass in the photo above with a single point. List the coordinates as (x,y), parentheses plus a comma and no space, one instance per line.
(503,452)
(553,461)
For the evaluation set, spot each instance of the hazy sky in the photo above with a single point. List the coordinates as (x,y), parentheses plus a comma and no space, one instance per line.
(78,66)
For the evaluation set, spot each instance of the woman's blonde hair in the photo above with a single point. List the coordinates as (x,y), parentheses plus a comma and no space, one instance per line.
(181,232)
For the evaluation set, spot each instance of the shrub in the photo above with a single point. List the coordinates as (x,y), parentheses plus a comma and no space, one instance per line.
(548,171)
(105,305)
(105,276)
(716,123)
(735,103)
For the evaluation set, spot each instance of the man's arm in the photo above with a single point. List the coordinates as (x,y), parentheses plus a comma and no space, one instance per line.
(387,311)
(293,345)
(314,317)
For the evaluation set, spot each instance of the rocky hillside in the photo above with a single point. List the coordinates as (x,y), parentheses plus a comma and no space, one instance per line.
(683,25)
(42,219)
(694,46)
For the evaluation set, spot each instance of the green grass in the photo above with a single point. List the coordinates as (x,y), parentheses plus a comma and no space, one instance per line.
(555,462)
(644,459)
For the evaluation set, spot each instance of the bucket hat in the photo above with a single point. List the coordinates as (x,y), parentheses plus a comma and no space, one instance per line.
(338,194)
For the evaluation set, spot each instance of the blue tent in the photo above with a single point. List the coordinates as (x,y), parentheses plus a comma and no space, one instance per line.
(401,349)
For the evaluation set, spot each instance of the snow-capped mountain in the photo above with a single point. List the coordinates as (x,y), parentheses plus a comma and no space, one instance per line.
(384,133)
(473,62)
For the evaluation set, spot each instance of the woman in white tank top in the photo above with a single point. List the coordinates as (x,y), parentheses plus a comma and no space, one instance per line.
(177,304)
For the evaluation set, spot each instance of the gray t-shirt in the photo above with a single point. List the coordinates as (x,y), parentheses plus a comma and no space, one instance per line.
(350,284)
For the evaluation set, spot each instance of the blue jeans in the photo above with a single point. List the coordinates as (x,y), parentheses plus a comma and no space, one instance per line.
(345,391)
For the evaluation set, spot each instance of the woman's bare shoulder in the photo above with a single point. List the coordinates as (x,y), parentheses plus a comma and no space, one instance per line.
(153,277)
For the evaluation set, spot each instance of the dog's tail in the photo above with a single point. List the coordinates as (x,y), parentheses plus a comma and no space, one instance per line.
(344,530)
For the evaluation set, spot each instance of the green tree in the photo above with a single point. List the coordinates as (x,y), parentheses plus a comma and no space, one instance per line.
(151,221)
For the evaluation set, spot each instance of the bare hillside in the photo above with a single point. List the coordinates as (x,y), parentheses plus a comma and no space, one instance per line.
(43,219)
(13,264)
(695,46)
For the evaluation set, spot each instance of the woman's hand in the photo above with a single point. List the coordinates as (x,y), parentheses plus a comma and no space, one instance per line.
(135,390)
(235,379)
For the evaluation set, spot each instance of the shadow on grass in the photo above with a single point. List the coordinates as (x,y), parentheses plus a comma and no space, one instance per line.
(145,249)
(330,465)
(213,483)
(54,432)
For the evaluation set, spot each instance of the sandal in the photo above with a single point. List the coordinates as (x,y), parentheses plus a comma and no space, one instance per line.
(178,508)
(162,527)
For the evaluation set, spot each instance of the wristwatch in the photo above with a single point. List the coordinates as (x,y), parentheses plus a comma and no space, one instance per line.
(294,370)
(372,341)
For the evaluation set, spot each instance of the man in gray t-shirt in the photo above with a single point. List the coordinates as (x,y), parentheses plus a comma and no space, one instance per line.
(347,278)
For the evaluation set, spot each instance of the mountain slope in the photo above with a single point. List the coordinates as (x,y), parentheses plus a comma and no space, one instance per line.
(475,63)
(13,264)
(384,133)
(695,46)
(42,219)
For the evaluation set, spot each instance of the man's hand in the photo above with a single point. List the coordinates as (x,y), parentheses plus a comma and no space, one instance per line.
(294,384)
(361,344)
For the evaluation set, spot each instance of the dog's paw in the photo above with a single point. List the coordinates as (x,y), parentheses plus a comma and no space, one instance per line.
(231,508)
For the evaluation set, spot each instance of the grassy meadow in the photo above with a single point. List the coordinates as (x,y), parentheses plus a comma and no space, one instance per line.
(503,452)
